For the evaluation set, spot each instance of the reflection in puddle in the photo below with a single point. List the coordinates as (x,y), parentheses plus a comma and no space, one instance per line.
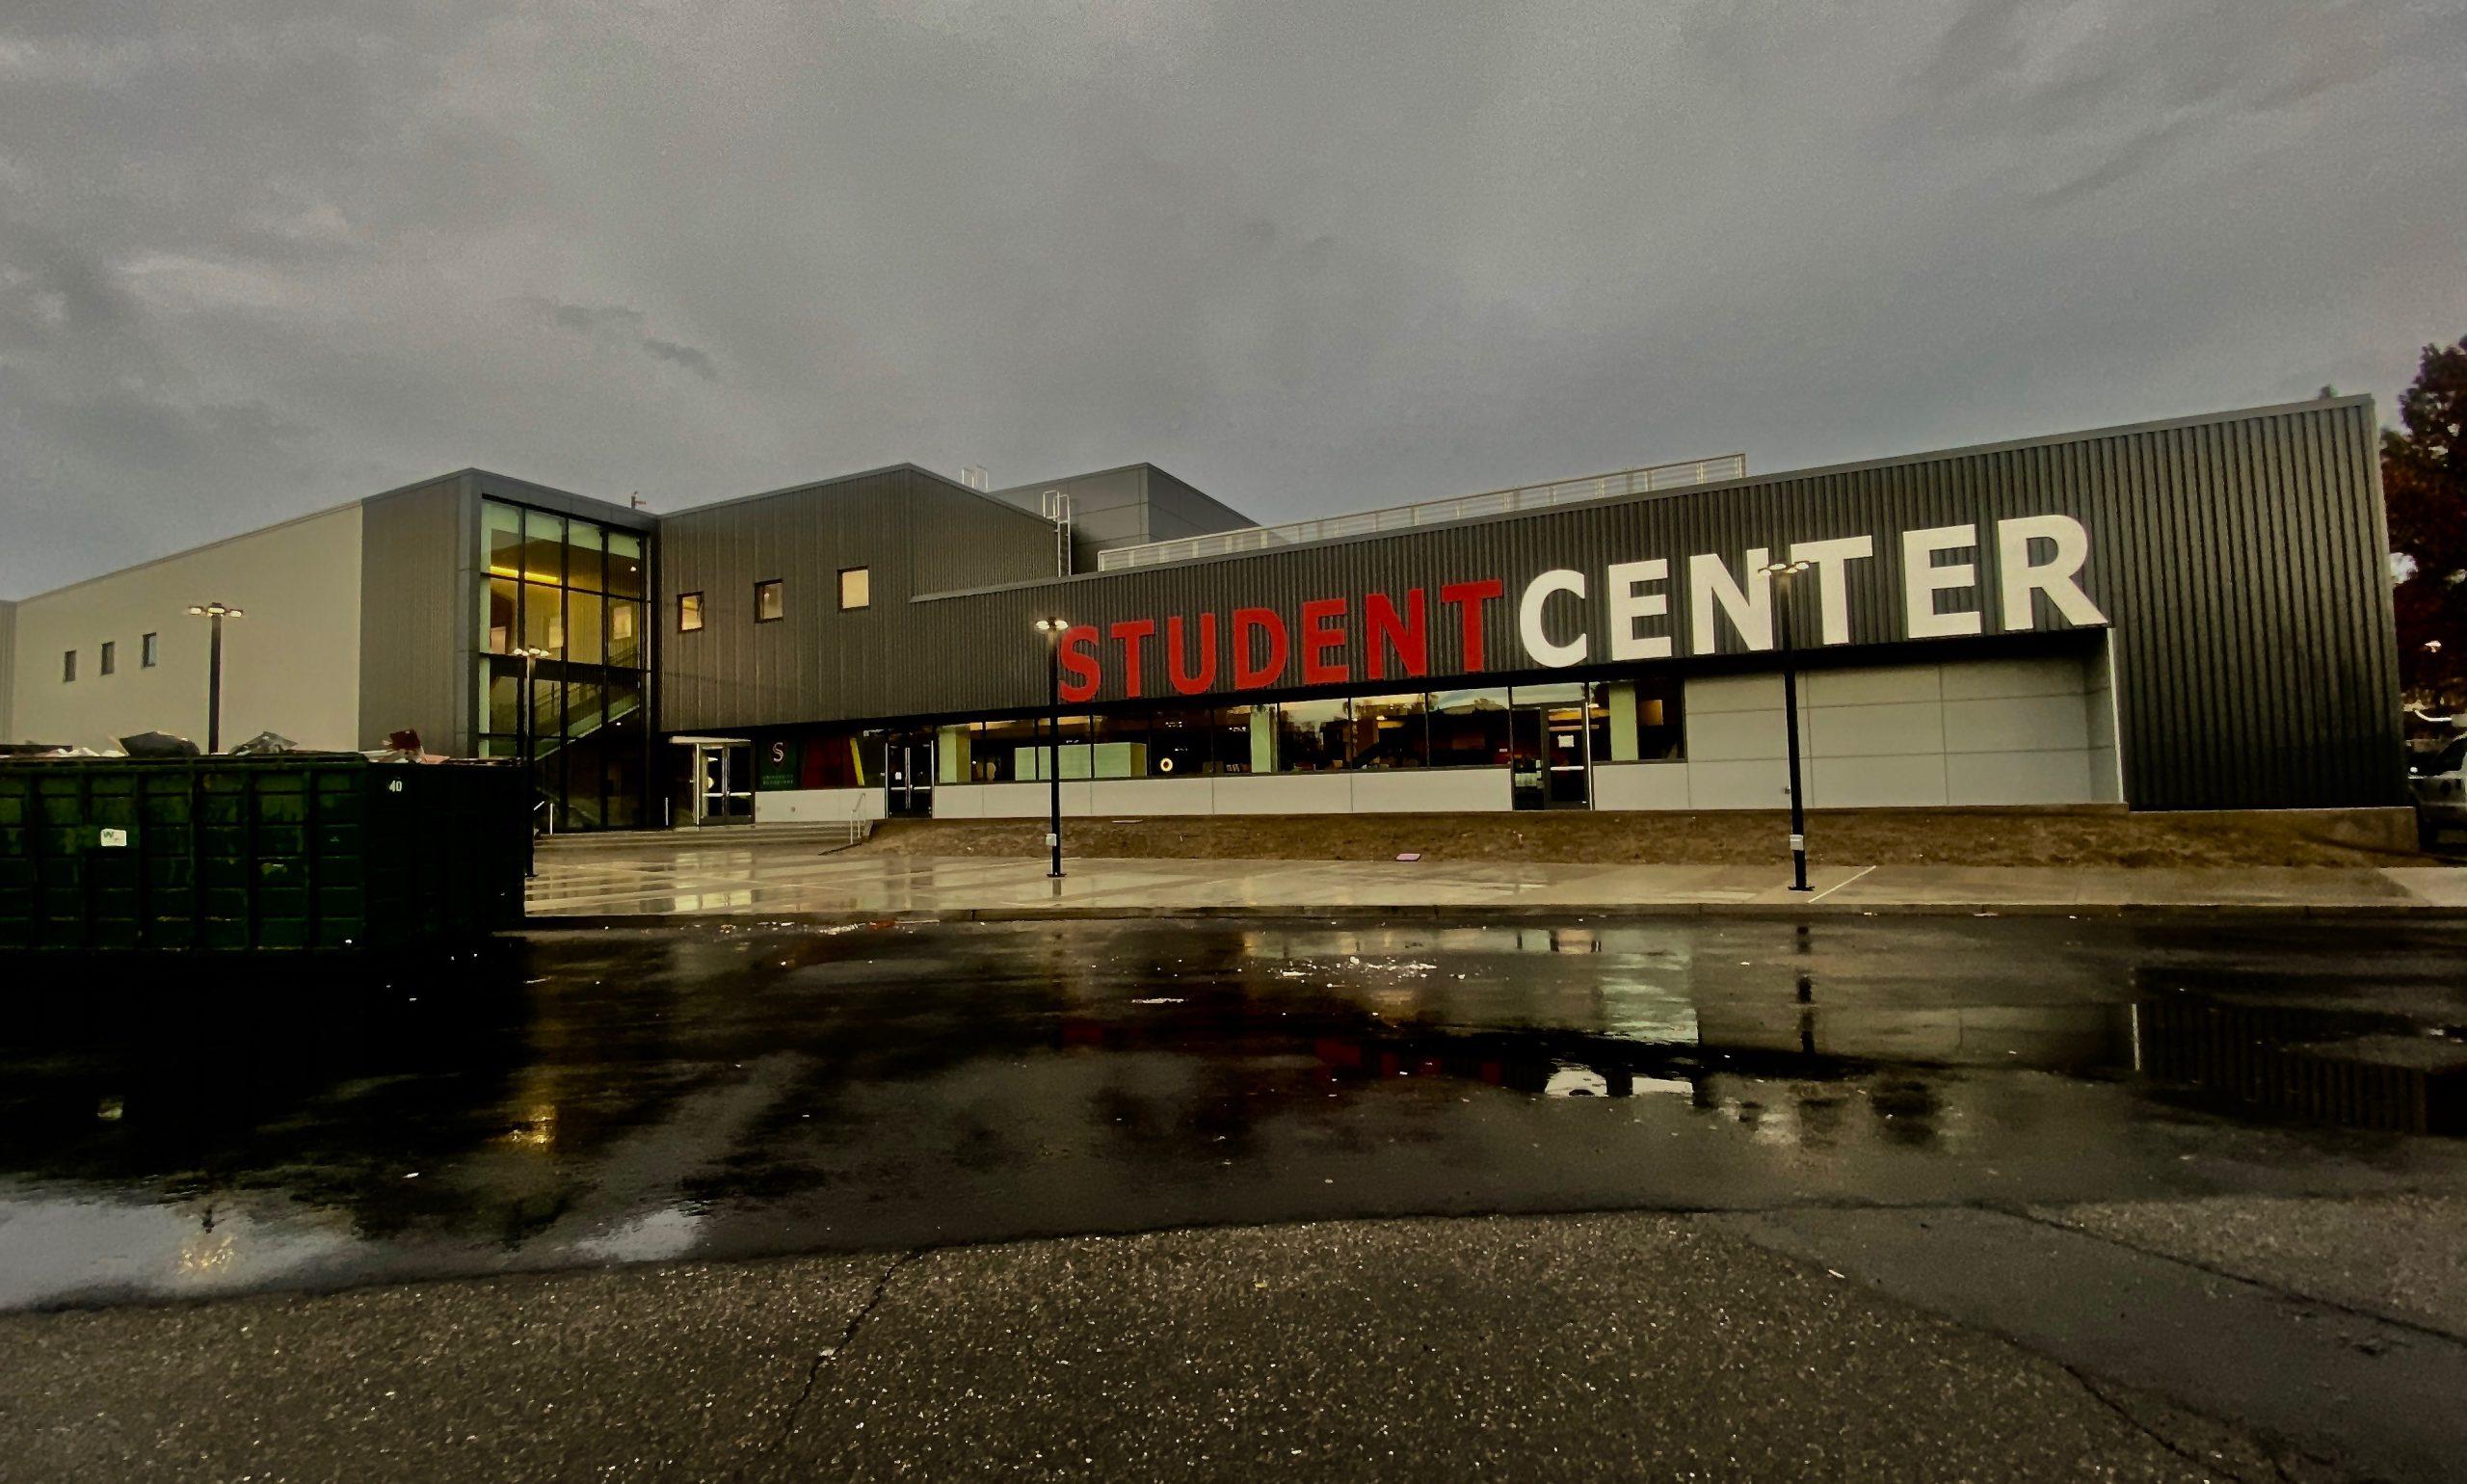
(742,1088)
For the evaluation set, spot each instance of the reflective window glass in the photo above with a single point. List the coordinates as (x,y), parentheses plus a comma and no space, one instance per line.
(1639,721)
(583,627)
(583,554)
(624,633)
(857,588)
(1469,729)
(505,696)
(1242,734)
(150,651)
(543,622)
(689,612)
(585,698)
(1179,743)
(769,603)
(547,712)
(496,618)
(503,527)
(625,700)
(624,568)
(1389,731)
(1310,736)
(1002,750)
(1121,743)
(544,546)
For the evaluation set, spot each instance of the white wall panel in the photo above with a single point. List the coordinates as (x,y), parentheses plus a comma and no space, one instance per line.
(1876,782)
(1893,730)
(1431,790)
(1640,785)
(1758,784)
(1984,679)
(1727,735)
(2018,724)
(1284,793)
(1146,796)
(1734,693)
(1870,686)
(2021,777)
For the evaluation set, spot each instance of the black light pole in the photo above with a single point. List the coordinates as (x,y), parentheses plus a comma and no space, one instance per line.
(214,614)
(1052,629)
(1781,572)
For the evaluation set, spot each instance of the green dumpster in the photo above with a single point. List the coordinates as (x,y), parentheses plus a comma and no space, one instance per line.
(300,851)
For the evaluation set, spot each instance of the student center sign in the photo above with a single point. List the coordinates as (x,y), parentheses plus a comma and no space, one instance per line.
(2188,613)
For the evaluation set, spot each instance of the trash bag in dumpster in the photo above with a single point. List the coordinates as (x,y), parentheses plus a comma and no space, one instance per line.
(265,744)
(157,744)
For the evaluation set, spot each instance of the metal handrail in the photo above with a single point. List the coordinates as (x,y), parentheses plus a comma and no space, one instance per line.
(1464,507)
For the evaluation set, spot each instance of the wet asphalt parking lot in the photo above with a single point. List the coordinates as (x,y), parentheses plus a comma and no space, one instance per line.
(600,1098)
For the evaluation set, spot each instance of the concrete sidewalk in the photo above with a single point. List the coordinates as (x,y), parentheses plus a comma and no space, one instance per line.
(667,876)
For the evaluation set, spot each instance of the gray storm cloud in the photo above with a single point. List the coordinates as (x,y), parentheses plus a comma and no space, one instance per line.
(255,260)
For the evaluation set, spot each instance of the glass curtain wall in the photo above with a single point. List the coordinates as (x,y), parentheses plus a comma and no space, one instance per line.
(572,590)
(1549,735)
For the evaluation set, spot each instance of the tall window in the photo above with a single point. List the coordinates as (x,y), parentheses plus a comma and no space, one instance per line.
(1310,736)
(571,587)
(769,606)
(856,588)
(110,657)
(1389,731)
(1469,729)
(148,651)
(689,612)
(67,666)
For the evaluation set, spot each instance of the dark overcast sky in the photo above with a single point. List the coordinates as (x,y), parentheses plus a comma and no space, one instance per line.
(260,258)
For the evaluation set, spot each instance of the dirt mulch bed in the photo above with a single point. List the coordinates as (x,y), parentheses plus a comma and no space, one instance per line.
(2010,837)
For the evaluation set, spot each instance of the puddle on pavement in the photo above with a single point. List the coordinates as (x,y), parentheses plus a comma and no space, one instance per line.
(609,1097)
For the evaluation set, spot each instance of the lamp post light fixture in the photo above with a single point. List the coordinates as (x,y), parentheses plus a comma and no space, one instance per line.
(214,614)
(1782,574)
(1053,630)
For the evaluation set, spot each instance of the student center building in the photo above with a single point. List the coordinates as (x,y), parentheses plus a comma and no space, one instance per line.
(2192,614)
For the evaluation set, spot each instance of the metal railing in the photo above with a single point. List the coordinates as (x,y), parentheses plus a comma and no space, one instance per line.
(1400,518)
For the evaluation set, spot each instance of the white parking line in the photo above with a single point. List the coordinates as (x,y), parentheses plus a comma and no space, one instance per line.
(1839,884)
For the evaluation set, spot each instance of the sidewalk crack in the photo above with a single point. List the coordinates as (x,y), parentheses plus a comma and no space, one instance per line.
(2295,1297)
(831,1352)
(2124,1415)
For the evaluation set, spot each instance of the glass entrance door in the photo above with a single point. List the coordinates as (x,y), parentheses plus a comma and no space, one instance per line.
(723,782)
(1550,750)
(908,776)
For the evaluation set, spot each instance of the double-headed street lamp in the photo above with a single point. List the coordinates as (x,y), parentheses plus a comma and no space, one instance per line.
(215,614)
(1053,630)
(1782,574)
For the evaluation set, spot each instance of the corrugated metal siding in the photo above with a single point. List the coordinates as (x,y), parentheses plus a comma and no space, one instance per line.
(916,532)
(416,613)
(2240,560)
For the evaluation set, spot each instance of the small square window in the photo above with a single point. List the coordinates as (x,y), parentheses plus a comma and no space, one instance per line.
(149,649)
(689,612)
(856,588)
(769,606)
(111,658)
(67,666)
